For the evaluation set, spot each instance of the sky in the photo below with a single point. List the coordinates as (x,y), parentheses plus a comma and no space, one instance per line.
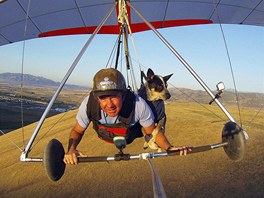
(202,47)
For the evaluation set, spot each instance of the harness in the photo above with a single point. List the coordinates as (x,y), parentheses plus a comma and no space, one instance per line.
(157,106)
(158,109)
(108,131)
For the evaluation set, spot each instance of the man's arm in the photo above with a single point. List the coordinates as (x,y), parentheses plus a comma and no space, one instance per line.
(75,137)
(161,139)
(163,142)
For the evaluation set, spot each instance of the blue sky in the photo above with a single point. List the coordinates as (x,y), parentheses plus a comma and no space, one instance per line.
(202,46)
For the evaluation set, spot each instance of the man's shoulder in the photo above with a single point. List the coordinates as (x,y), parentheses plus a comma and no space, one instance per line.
(85,100)
(138,98)
(140,102)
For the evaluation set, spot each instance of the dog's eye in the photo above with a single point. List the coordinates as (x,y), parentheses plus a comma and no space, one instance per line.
(159,88)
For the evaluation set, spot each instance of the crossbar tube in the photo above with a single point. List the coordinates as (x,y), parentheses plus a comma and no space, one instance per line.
(150,155)
(142,156)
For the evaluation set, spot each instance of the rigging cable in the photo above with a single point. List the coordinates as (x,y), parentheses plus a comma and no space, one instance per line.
(197,102)
(229,60)
(22,80)
(254,117)
(108,64)
(75,62)
(232,72)
(136,53)
(21,95)
(111,57)
(189,96)
(4,135)
(60,118)
(22,73)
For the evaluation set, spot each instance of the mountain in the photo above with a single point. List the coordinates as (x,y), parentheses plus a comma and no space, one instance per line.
(249,99)
(31,80)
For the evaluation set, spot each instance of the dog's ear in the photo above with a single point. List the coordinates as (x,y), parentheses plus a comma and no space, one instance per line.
(143,76)
(150,74)
(166,78)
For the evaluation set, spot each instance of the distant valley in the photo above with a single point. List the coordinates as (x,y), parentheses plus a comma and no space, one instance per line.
(35,95)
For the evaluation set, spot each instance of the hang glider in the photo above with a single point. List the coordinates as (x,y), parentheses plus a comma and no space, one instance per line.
(67,17)
(20,21)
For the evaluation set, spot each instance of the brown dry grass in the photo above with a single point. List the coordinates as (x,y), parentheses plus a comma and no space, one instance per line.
(208,174)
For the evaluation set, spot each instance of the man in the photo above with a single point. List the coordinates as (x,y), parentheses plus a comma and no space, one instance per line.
(114,111)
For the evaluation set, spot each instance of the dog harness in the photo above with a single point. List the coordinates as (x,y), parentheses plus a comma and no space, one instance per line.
(157,106)
(108,131)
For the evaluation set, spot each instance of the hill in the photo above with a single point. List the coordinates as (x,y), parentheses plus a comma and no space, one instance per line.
(254,100)
(208,174)
(38,91)
(178,94)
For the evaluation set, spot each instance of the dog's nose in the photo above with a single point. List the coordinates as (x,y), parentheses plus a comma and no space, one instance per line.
(168,95)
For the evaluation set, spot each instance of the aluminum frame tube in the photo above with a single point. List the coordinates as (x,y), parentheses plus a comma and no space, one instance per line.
(158,189)
(44,115)
(187,66)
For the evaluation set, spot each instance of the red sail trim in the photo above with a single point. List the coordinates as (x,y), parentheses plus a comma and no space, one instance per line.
(114,29)
(118,131)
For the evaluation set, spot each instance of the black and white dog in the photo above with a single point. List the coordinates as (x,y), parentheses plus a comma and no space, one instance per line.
(154,91)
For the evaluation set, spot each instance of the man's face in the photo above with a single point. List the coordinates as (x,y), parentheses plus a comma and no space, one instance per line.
(111,104)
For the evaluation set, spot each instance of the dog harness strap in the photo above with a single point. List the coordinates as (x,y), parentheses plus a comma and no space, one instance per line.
(158,109)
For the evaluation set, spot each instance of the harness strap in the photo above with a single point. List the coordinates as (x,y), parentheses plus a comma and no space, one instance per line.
(108,131)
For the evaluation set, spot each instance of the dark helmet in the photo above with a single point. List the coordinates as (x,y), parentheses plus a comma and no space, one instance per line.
(108,81)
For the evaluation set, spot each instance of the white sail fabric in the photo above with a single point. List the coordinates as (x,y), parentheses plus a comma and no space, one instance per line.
(64,17)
